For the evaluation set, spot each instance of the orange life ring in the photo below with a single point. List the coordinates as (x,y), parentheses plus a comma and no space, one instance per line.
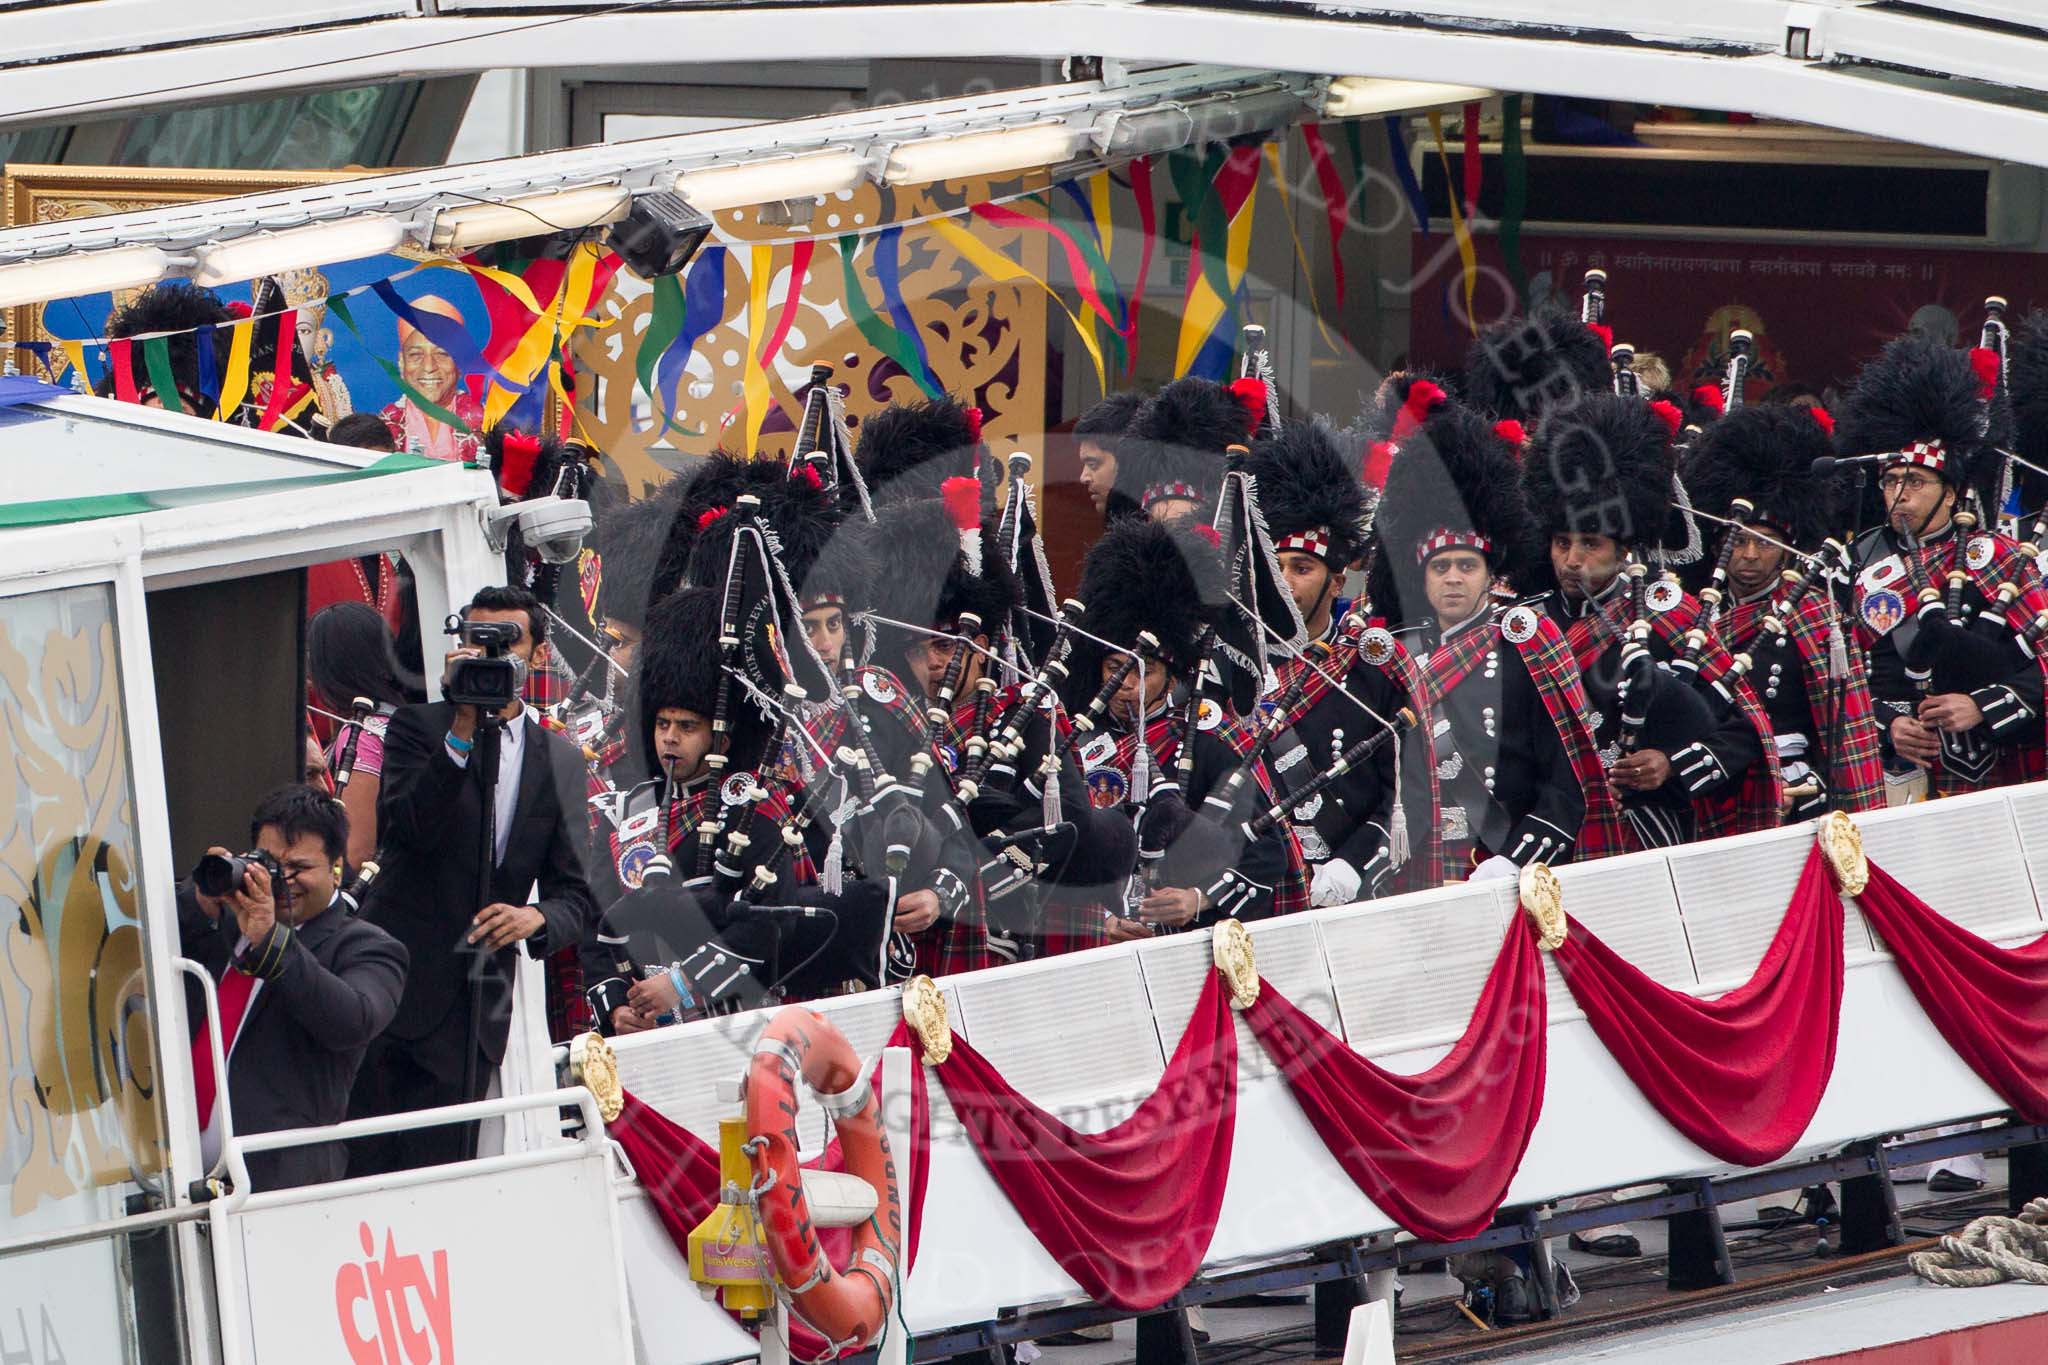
(848,1309)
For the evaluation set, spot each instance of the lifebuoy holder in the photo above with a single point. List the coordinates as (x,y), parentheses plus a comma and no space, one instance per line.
(848,1308)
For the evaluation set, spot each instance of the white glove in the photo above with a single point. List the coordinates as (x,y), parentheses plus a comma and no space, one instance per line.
(1495,868)
(1335,883)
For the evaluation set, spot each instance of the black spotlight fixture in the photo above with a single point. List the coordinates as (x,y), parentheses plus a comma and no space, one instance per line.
(658,235)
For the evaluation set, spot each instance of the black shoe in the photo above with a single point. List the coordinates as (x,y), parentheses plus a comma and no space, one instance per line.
(1619,1245)
(1513,1303)
(1948,1182)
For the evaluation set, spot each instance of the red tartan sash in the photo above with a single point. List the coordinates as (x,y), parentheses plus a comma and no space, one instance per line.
(1855,774)
(2008,566)
(1757,801)
(1551,667)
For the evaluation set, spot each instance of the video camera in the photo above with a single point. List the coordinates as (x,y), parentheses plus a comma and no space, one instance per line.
(220,875)
(492,682)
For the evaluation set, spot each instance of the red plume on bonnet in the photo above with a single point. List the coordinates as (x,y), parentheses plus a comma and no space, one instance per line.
(1250,393)
(974,420)
(1709,396)
(710,515)
(963,501)
(1513,432)
(1604,332)
(809,474)
(1824,417)
(1668,413)
(1379,458)
(1984,361)
(522,450)
(1423,399)
(1210,534)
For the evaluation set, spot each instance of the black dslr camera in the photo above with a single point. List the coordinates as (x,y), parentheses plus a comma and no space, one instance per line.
(220,875)
(492,682)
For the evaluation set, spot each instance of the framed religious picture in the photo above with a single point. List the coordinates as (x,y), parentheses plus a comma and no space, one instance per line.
(54,194)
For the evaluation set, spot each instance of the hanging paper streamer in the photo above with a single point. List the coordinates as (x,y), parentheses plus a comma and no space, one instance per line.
(664,325)
(1335,203)
(156,361)
(754,385)
(241,340)
(283,392)
(792,302)
(1315,304)
(998,267)
(1404,171)
(1207,336)
(888,272)
(450,335)
(1148,219)
(1460,229)
(209,362)
(703,306)
(74,351)
(1094,245)
(121,354)
(1514,206)
(873,330)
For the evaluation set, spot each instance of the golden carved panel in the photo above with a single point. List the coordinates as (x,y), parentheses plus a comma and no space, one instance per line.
(986,341)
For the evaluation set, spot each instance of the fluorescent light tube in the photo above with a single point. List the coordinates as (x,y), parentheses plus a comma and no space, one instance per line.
(973,154)
(272,253)
(1362,96)
(811,176)
(83,272)
(468,226)
(1122,134)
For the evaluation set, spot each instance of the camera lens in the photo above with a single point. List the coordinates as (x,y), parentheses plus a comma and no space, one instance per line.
(218,875)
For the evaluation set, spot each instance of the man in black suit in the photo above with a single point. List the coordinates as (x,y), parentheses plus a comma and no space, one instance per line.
(303,988)
(451,1028)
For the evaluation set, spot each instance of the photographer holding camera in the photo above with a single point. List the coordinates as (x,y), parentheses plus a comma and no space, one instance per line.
(464,918)
(302,986)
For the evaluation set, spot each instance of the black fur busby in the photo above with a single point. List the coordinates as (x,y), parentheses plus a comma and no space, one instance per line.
(1765,455)
(1147,576)
(821,556)
(1523,367)
(1306,483)
(711,485)
(1603,467)
(1455,474)
(1177,439)
(923,574)
(525,465)
(1919,389)
(907,450)
(179,308)
(679,665)
(631,540)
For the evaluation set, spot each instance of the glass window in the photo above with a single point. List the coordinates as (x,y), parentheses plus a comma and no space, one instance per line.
(315,130)
(81,1137)
(33,146)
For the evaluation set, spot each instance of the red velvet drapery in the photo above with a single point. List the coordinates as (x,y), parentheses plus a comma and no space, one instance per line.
(1436,1150)
(1740,1074)
(1990,1003)
(1127,1212)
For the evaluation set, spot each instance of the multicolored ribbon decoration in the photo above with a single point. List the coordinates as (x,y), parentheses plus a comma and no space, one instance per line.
(283,392)
(156,362)
(888,274)
(1514,204)
(664,325)
(996,266)
(703,308)
(1315,304)
(450,335)
(1460,229)
(873,330)
(1207,337)
(1336,204)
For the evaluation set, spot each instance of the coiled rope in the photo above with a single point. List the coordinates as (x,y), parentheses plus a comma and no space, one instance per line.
(1990,1251)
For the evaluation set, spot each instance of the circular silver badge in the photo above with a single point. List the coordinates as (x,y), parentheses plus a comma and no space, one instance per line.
(1376,646)
(1519,625)
(736,790)
(1208,715)
(1664,594)
(1982,550)
(879,687)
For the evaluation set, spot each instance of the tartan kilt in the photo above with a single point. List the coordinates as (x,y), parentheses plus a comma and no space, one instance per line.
(568,1011)
(1068,927)
(953,946)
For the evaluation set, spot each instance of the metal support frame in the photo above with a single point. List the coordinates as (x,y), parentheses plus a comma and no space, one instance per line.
(2026,1143)
(1699,1257)
(1335,1298)
(1165,1338)
(1870,1206)
(2026,1173)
